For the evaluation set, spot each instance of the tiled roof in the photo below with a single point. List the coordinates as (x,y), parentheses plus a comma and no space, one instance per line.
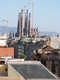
(48,48)
(33,70)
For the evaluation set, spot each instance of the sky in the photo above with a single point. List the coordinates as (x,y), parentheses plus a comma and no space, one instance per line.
(46,13)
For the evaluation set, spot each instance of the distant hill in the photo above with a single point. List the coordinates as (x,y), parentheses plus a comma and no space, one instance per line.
(48,33)
(3,29)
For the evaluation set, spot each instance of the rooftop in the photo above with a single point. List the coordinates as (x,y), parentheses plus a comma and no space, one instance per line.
(32,70)
(48,48)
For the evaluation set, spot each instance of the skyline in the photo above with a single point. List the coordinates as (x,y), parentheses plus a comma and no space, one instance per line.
(46,13)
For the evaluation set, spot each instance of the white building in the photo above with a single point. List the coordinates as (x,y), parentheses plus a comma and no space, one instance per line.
(55,42)
(3,40)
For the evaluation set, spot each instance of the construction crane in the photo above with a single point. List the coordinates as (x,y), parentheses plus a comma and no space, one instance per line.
(6,26)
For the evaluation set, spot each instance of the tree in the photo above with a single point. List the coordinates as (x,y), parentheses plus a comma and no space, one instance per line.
(23,56)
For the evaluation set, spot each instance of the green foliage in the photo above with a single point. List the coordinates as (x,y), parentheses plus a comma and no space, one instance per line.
(23,56)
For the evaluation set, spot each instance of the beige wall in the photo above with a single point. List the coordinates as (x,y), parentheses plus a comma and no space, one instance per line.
(3,71)
(12,73)
(40,51)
